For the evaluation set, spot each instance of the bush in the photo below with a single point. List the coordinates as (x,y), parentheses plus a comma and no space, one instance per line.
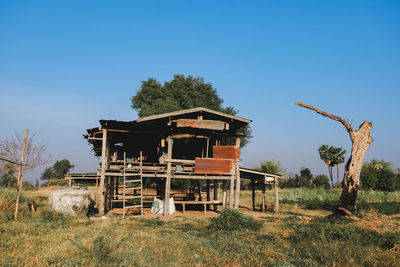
(231,220)
(321,181)
(379,175)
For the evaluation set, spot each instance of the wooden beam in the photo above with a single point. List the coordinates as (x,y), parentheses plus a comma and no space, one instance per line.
(208,192)
(187,161)
(215,198)
(224,194)
(263,199)
(276,198)
(237,195)
(231,191)
(103,171)
(201,124)
(253,194)
(168,180)
(237,143)
(19,177)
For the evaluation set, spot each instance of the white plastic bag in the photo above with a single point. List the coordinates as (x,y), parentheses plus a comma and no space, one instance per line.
(158,206)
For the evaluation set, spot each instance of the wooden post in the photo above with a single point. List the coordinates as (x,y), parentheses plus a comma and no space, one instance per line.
(103,171)
(231,191)
(237,195)
(208,193)
(224,194)
(237,144)
(199,190)
(97,192)
(263,200)
(276,196)
(70,181)
(253,194)
(208,190)
(215,194)
(116,185)
(19,177)
(208,145)
(168,180)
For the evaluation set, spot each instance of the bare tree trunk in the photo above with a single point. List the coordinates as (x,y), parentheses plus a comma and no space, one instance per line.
(331,175)
(19,179)
(337,175)
(361,140)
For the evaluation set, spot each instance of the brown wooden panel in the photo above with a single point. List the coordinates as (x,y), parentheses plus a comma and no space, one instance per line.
(226,152)
(214,166)
(202,124)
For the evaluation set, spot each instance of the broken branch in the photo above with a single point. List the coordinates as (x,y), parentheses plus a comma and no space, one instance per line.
(348,126)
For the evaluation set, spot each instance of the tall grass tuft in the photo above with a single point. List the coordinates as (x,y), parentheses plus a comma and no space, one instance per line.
(8,197)
(231,220)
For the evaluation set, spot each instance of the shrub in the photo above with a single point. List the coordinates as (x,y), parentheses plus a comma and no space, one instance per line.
(321,181)
(379,175)
(231,220)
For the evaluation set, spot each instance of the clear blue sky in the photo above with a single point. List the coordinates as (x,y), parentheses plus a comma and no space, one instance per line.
(64,66)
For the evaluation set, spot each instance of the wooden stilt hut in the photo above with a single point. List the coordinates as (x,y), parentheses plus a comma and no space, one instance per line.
(185,144)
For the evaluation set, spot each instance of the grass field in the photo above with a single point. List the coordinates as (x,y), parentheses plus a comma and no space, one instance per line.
(302,234)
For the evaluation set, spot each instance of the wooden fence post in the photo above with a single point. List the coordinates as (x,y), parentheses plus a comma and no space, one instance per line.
(19,177)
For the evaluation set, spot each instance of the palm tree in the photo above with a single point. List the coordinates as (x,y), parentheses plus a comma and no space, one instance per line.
(338,159)
(327,153)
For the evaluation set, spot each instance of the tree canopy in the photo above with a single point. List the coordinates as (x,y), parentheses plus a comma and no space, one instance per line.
(7,176)
(59,169)
(332,156)
(270,166)
(379,175)
(181,93)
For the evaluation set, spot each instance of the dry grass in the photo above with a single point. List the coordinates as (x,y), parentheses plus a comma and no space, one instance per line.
(297,236)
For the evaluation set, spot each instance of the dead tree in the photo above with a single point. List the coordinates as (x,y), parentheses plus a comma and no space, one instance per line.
(361,140)
(21,152)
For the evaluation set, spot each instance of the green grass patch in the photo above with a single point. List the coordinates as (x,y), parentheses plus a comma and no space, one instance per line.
(231,220)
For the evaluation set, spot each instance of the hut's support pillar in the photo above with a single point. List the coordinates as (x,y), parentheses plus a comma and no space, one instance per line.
(215,194)
(208,193)
(237,177)
(224,194)
(168,180)
(102,191)
(276,196)
(231,191)
(263,199)
(253,194)
(237,195)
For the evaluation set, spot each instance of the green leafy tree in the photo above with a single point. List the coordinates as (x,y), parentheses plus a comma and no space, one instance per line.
(59,169)
(270,166)
(181,93)
(304,179)
(332,156)
(327,153)
(321,181)
(47,174)
(379,175)
(7,176)
(338,159)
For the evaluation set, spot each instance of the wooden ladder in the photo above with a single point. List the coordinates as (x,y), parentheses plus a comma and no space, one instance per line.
(134,183)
